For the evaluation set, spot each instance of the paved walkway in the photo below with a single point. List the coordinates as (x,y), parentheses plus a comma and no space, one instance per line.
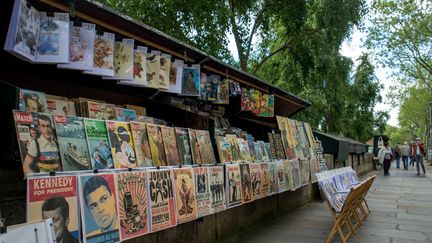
(401,206)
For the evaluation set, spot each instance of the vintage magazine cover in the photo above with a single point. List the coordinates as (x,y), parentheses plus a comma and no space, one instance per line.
(205,147)
(72,143)
(296,174)
(141,143)
(53,42)
(125,115)
(57,105)
(81,44)
(165,68)
(122,146)
(250,141)
(175,78)
(123,60)
(98,144)
(139,68)
(194,147)
(288,140)
(103,55)
(170,145)
(244,150)
(133,204)
(305,171)
(255,101)
(314,168)
(202,186)
(280,175)
(157,149)
(191,81)
(98,205)
(246,182)
(55,197)
(233,185)
(264,153)
(273,178)
(37,142)
(185,194)
(258,152)
(153,69)
(224,148)
(95,110)
(209,88)
(32,101)
(161,199)
(265,179)
(256,179)
(204,93)
(109,112)
(217,189)
(184,148)
(235,149)
(246,99)
(289,183)
(223,92)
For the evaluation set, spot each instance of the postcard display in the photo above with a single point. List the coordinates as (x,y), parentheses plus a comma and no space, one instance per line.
(146,176)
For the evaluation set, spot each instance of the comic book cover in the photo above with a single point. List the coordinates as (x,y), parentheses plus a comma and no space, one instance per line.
(268,151)
(280,176)
(296,174)
(161,199)
(185,153)
(141,143)
(216,177)
(273,178)
(280,152)
(37,142)
(270,107)
(122,146)
(263,150)
(314,168)
(186,209)
(157,149)
(305,171)
(53,42)
(256,178)
(246,99)
(246,183)
(32,101)
(194,147)
(264,106)
(98,144)
(205,147)
(258,152)
(265,179)
(103,55)
(250,142)
(224,148)
(55,197)
(175,78)
(98,206)
(223,92)
(133,204)
(81,44)
(170,145)
(255,101)
(191,81)
(72,143)
(235,149)
(202,186)
(244,150)
(204,92)
(212,88)
(57,105)
(123,60)
(233,185)
(289,183)
(125,115)
(164,74)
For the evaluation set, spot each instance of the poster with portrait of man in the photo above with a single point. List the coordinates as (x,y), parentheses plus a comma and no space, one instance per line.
(98,205)
(55,197)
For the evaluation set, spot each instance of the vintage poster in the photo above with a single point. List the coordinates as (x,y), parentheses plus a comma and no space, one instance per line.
(233,185)
(175,78)
(191,81)
(53,42)
(133,204)
(257,180)
(141,143)
(296,135)
(218,200)
(98,144)
(157,149)
(273,178)
(272,145)
(255,101)
(165,68)
(202,186)
(184,185)
(32,101)
(55,197)
(289,183)
(280,152)
(103,55)
(125,115)
(161,199)
(170,145)
(209,86)
(280,176)
(153,70)
(72,143)
(224,149)
(196,156)
(264,106)
(57,105)
(244,150)
(246,99)
(37,142)
(122,146)
(98,205)
(288,140)
(263,150)
(205,147)
(235,149)
(305,171)
(265,179)
(296,174)
(246,183)
(183,144)
(258,152)
(250,142)
(314,168)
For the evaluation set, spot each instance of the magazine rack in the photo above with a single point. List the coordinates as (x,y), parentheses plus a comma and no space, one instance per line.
(349,218)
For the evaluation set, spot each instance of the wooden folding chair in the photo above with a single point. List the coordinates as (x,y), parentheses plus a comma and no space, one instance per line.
(361,203)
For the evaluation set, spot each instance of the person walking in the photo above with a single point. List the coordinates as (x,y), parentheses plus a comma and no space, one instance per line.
(418,151)
(405,152)
(385,156)
(412,157)
(397,155)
